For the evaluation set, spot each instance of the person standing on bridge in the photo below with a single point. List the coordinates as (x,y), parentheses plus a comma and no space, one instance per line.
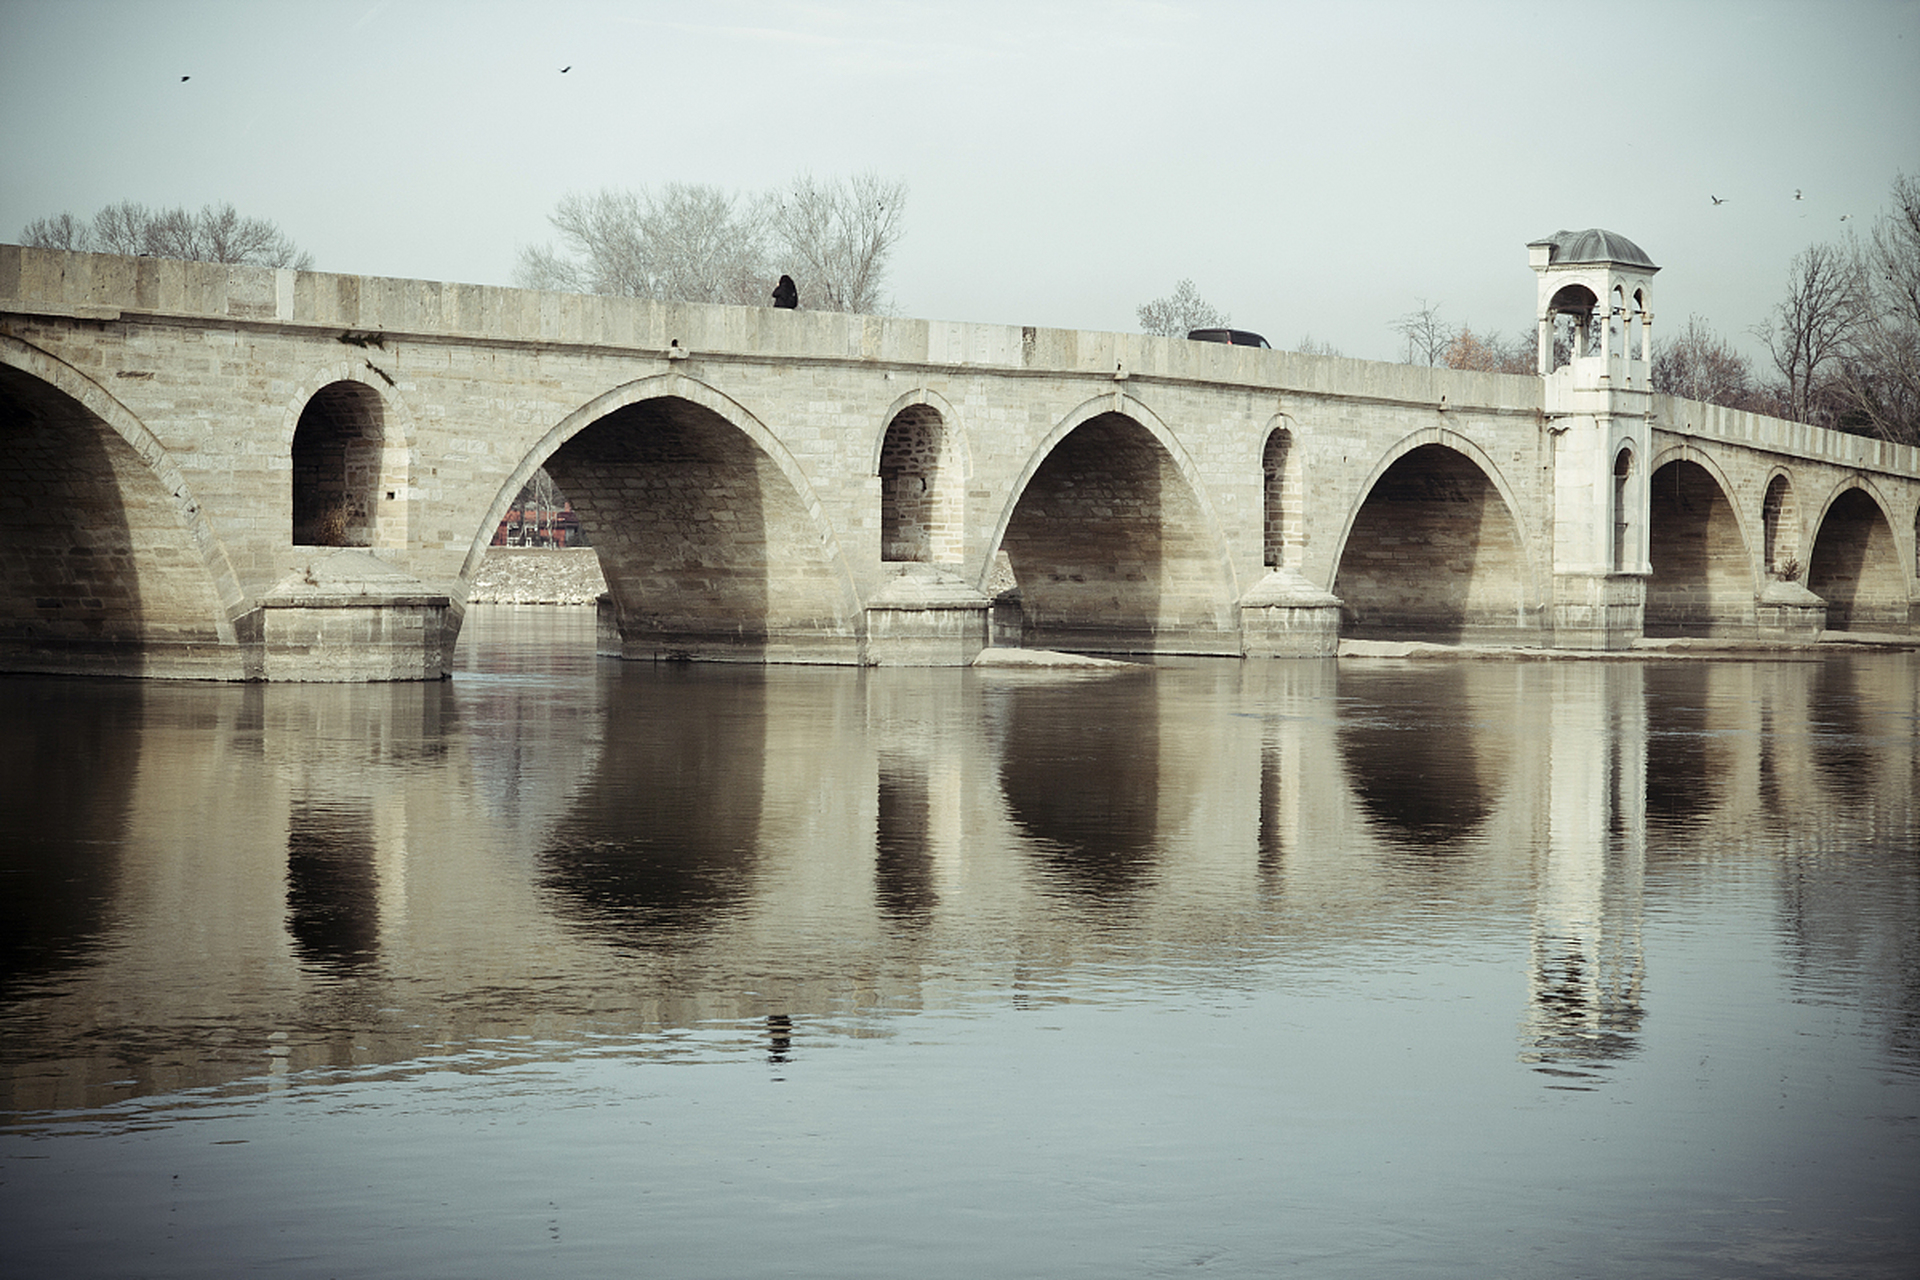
(785,295)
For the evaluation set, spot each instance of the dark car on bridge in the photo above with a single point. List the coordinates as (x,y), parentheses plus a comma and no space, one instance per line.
(1233,337)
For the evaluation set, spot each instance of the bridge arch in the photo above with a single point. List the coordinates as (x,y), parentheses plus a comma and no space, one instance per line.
(1432,549)
(349,438)
(712,541)
(1112,541)
(922,460)
(1855,564)
(1705,580)
(110,551)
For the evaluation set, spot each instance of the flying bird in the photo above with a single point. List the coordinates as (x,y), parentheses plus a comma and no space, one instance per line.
(184,79)
(1796,193)
(1716,199)
(566,68)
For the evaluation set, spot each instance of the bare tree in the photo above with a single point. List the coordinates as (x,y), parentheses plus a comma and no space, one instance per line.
(1312,346)
(1180,312)
(689,242)
(1813,325)
(61,231)
(217,233)
(122,228)
(1489,352)
(1880,373)
(1700,365)
(695,243)
(836,236)
(1426,334)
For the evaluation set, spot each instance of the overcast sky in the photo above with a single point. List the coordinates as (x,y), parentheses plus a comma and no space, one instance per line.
(1315,169)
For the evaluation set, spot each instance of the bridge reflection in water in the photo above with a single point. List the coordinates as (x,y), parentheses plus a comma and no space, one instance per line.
(552,846)
(1050,943)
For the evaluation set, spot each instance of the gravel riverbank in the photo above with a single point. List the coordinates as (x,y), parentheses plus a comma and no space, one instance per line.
(538,575)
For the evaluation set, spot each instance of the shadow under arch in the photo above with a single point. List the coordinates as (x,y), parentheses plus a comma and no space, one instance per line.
(1113,544)
(107,564)
(1432,550)
(1854,564)
(1703,567)
(709,536)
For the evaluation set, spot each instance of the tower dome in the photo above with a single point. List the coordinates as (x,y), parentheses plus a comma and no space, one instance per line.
(1594,245)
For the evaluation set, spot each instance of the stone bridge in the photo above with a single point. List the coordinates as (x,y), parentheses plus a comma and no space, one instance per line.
(243,473)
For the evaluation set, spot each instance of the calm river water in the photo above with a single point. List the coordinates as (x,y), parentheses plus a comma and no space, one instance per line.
(568,967)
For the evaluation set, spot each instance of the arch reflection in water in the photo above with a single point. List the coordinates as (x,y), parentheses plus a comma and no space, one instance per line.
(663,837)
(1687,760)
(1425,752)
(333,886)
(1080,766)
(903,870)
(69,757)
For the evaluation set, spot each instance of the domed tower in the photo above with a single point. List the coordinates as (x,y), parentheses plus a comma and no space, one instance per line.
(1602,284)
(1596,358)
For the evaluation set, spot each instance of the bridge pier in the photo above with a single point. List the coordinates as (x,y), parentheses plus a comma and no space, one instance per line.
(1598,610)
(1286,616)
(350,618)
(1788,611)
(926,616)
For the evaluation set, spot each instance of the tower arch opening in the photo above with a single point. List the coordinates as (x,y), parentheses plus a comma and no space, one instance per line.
(1626,542)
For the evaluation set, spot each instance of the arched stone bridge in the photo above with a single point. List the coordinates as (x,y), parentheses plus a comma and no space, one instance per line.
(243,473)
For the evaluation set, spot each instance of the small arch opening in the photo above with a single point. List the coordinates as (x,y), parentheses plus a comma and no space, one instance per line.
(1285,521)
(1780,520)
(1623,541)
(338,447)
(919,507)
